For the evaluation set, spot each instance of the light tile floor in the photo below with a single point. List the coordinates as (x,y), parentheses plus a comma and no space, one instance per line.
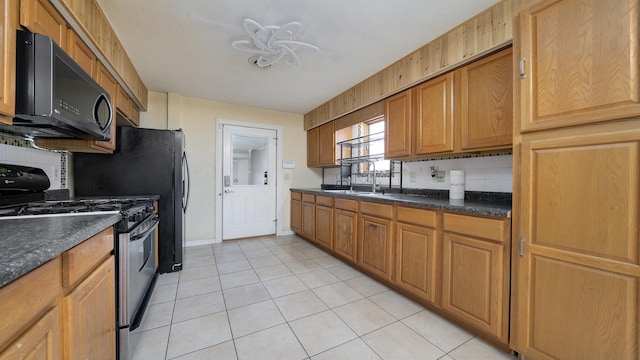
(283,298)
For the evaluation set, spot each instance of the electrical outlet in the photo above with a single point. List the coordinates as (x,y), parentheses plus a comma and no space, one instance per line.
(412,176)
(440,176)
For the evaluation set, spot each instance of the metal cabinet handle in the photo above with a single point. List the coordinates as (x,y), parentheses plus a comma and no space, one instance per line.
(521,246)
(228,191)
(522,74)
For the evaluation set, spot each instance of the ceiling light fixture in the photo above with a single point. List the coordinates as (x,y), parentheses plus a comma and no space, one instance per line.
(272,43)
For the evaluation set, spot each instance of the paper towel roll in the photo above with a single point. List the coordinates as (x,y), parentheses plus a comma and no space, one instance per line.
(456,185)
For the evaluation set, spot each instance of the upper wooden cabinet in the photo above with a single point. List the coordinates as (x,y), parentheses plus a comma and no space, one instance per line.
(327,154)
(578,62)
(41,17)
(80,52)
(398,116)
(321,146)
(485,108)
(126,109)
(433,129)
(313,147)
(9,13)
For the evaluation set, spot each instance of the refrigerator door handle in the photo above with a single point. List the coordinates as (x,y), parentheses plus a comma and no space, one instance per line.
(185,197)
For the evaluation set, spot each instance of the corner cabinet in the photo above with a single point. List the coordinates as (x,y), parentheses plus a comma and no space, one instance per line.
(578,67)
(321,146)
(296,212)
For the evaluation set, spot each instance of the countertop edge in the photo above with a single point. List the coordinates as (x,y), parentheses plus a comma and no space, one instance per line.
(40,240)
(478,208)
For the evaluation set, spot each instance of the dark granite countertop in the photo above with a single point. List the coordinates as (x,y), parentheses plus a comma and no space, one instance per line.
(484,204)
(28,242)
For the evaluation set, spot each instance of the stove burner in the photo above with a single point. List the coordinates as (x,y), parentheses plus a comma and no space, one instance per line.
(74,206)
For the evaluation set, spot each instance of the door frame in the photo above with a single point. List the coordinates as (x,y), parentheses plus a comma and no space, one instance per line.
(219,173)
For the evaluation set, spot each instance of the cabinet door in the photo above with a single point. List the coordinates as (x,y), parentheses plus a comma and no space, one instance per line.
(472,282)
(92,337)
(346,233)
(296,212)
(324,226)
(398,114)
(374,245)
(9,17)
(416,266)
(308,220)
(41,17)
(327,136)
(434,116)
(41,341)
(580,269)
(313,147)
(580,62)
(486,103)
(80,53)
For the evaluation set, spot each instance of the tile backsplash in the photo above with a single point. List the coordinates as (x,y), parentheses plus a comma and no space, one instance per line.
(53,163)
(492,173)
(482,173)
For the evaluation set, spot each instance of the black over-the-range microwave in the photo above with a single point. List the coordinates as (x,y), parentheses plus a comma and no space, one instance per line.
(55,97)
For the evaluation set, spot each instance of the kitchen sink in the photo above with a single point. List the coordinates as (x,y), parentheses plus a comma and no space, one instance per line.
(351,192)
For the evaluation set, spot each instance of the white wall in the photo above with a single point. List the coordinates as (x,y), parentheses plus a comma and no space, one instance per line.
(197,118)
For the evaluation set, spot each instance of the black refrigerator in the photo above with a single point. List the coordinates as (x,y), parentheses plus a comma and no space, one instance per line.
(145,162)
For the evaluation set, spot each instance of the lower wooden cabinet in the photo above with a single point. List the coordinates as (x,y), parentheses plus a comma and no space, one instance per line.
(296,212)
(417,248)
(308,226)
(374,245)
(324,221)
(45,319)
(41,341)
(475,272)
(92,337)
(458,264)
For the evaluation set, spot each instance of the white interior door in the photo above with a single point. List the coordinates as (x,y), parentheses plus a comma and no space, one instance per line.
(248,182)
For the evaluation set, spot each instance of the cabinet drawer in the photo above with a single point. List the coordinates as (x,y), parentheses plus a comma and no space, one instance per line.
(344,204)
(77,262)
(308,198)
(25,299)
(296,196)
(324,200)
(493,229)
(375,209)
(417,216)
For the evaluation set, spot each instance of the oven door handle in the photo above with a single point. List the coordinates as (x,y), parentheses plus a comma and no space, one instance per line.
(151,227)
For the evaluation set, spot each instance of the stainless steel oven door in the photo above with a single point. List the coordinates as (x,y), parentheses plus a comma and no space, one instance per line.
(136,261)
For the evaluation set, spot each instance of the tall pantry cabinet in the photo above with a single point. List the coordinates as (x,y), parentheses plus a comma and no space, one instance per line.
(576,288)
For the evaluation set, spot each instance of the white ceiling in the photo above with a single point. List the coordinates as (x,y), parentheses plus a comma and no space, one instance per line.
(184,46)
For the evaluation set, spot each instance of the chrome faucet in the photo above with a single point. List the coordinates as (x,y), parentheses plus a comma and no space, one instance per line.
(373,181)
